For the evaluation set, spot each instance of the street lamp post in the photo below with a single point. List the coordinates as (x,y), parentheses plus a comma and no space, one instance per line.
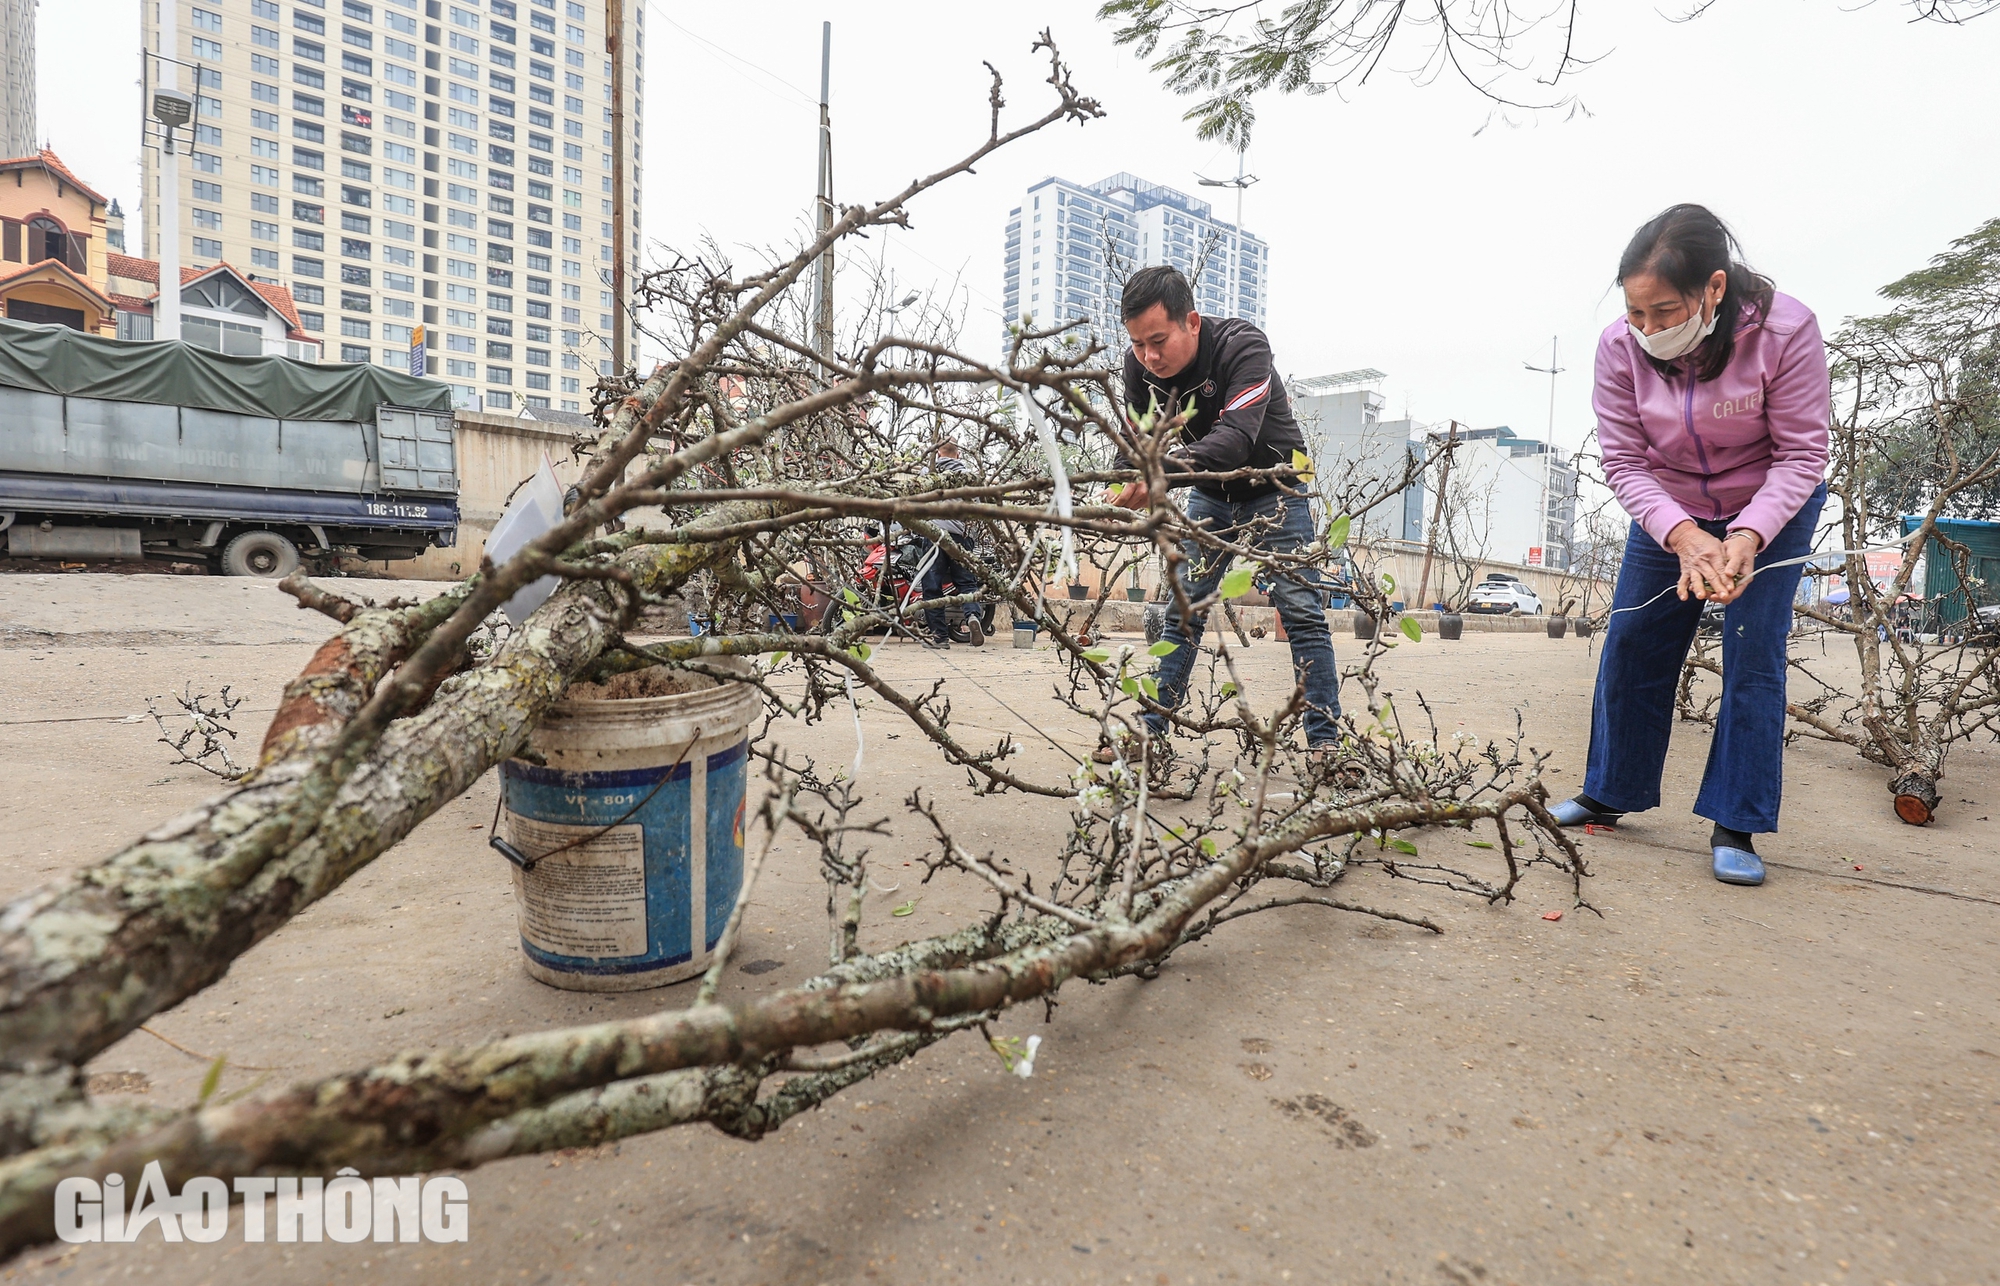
(1240,182)
(170,108)
(1548,447)
(823,279)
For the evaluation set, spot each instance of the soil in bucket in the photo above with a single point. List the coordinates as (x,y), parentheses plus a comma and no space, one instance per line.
(634,822)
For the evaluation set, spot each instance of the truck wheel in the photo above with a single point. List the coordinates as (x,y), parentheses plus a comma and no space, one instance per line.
(260,553)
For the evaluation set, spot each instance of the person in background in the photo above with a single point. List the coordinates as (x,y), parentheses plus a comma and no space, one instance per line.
(946,570)
(1219,372)
(1713,407)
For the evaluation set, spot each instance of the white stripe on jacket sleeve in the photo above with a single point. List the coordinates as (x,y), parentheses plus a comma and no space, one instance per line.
(1248,397)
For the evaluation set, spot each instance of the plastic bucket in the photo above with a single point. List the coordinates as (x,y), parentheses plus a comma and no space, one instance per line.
(634,820)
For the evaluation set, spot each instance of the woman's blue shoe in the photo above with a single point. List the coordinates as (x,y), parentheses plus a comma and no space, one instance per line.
(1569,812)
(1738,865)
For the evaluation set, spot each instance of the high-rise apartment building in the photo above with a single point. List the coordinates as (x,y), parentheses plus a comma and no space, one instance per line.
(397,162)
(17,79)
(1070,247)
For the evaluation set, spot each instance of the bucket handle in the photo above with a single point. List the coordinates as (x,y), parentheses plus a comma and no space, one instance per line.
(527,863)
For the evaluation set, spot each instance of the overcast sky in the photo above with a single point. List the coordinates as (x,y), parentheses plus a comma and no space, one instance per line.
(1845,144)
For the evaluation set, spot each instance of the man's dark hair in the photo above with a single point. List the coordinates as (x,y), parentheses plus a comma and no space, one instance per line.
(1160,284)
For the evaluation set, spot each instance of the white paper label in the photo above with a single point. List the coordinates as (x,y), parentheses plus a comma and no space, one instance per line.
(587,901)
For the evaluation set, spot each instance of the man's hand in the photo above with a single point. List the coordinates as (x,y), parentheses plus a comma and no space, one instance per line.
(1713,570)
(1133,496)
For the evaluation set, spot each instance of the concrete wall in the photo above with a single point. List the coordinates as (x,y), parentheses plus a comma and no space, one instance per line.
(496,453)
(1404,559)
(1129,618)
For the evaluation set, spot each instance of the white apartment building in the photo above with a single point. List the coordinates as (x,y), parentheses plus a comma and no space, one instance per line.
(1499,481)
(1340,417)
(397,162)
(1070,247)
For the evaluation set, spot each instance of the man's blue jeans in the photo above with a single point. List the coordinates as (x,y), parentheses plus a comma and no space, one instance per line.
(1632,713)
(1297,600)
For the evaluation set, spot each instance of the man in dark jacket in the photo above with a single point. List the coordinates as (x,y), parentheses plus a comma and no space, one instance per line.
(946,570)
(1219,371)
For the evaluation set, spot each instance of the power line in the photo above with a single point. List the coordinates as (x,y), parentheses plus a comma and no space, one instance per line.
(732,56)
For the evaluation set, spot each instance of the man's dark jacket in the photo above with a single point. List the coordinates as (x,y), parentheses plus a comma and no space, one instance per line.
(1242,418)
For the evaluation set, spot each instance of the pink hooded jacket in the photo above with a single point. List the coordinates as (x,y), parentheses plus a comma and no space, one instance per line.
(1748,446)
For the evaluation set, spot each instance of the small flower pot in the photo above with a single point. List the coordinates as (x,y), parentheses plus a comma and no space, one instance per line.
(1364,625)
(1558,626)
(1079,592)
(1451,625)
(1135,594)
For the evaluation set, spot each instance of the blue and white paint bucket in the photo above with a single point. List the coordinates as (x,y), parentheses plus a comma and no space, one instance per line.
(634,820)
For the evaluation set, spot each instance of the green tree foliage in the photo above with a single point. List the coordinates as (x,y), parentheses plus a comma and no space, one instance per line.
(1924,379)
(1228,52)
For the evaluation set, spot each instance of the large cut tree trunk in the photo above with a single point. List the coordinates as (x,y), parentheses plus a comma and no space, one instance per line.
(84,963)
(1917,797)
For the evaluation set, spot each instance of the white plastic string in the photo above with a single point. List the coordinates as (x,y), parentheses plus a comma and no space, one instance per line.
(1060,476)
(854,773)
(1788,562)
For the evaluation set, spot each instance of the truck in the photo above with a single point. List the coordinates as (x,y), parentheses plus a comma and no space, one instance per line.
(113,449)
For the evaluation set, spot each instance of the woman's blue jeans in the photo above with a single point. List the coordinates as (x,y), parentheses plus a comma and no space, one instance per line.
(1632,713)
(1296,598)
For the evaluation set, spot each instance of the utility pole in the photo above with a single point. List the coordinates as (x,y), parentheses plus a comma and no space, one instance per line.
(167,313)
(1437,515)
(1240,182)
(823,284)
(1549,444)
(614,44)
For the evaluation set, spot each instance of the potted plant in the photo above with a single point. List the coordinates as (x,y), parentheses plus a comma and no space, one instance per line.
(1559,623)
(1078,590)
(1451,622)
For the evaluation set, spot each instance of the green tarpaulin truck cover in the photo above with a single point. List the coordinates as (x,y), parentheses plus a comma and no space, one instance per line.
(56,359)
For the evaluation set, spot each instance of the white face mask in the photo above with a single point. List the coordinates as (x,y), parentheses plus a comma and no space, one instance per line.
(1674,341)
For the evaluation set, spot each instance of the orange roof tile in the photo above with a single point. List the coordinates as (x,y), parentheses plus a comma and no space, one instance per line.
(279,297)
(49,160)
(12,271)
(133,269)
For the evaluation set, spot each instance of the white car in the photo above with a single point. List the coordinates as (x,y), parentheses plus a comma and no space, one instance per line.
(1503,596)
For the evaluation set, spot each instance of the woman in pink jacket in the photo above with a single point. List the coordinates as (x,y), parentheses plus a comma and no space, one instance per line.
(1712,407)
